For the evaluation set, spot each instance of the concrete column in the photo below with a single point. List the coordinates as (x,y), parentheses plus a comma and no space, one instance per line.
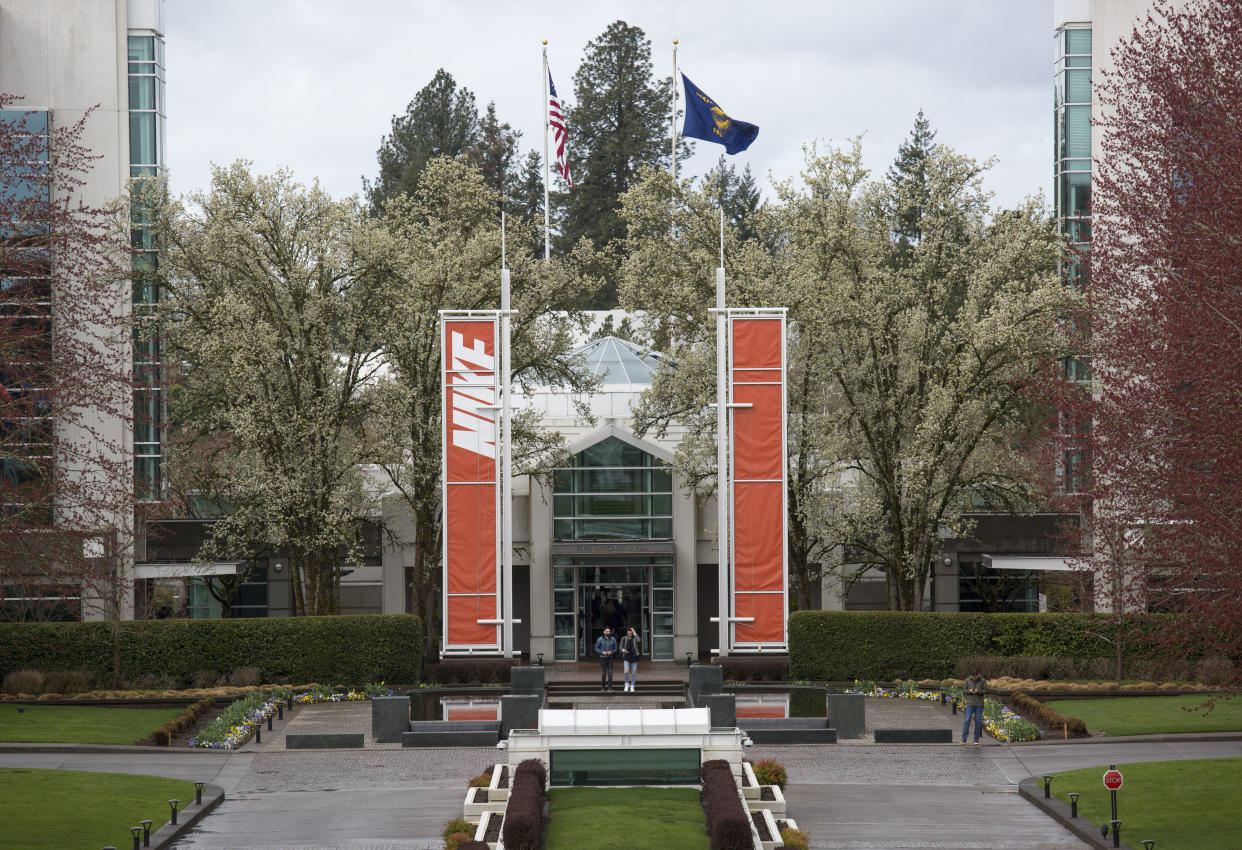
(685,574)
(540,569)
(398,519)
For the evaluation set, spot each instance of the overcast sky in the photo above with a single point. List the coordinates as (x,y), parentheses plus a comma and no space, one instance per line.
(313,85)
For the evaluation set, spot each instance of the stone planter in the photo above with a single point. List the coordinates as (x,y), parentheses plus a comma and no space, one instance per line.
(776,806)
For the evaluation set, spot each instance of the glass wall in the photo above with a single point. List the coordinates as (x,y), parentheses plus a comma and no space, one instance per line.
(613,491)
(26,427)
(146,161)
(1072,162)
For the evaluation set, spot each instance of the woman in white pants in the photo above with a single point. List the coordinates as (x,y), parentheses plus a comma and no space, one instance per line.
(630,651)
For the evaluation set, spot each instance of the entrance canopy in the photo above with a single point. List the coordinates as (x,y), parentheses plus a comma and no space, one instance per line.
(1047,563)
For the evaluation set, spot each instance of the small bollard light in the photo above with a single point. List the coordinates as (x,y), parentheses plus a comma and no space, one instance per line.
(953,703)
(280,711)
(1047,786)
(689,659)
(136,831)
(269,723)
(1073,795)
(539,663)
(258,734)
(146,832)
(172,804)
(1147,843)
(1116,832)
(198,793)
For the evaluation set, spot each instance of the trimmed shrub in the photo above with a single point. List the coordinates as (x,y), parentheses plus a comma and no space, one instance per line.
(887,645)
(455,840)
(358,648)
(470,671)
(23,682)
(771,669)
(481,781)
(456,825)
(522,828)
(795,839)
(770,772)
(68,681)
(1046,716)
(728,823)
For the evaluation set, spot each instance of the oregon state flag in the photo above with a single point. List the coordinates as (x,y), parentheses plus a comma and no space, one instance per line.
(707,121)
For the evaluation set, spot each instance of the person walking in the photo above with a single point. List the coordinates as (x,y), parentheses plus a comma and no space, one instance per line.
(974,688)
(630,652)
(606,649)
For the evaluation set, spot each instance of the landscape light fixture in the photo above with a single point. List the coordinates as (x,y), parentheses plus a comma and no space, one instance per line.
(198,790)
(136,831)
(1073,795)
(172,804)
(146,832)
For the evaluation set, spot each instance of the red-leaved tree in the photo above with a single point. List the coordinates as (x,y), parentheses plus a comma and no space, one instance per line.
(66,409)
(1160,434)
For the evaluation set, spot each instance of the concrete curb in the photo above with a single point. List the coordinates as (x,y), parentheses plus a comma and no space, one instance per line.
(1033,790)
(213,795)
(106,749)
(1172,738)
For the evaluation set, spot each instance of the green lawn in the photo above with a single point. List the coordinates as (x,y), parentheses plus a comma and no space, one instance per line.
(1153,715)
(627,818)
(80,724)
(1176,803)
(74,809)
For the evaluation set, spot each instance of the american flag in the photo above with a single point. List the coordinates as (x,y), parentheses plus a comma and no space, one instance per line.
(556,120)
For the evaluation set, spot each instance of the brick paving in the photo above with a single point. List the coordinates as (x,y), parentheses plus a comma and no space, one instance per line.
(883,764)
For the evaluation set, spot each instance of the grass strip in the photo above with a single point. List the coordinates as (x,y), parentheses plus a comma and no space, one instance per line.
(1153,715)
(73,809)
(629,818)
(1175,803)
(79,724)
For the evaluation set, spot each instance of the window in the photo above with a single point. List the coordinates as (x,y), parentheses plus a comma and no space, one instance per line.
(613,491)
(146,159)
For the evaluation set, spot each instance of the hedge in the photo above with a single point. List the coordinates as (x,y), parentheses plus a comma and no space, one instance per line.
(522,827)
(346,649)
(846,645)
(728,822)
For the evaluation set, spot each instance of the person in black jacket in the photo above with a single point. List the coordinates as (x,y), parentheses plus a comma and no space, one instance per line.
(606,649)
(631,649)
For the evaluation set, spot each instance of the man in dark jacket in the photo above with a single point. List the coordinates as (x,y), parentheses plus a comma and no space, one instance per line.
(606,649)
(974,689)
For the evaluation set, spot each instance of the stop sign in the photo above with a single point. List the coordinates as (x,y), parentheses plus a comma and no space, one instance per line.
(1112,779)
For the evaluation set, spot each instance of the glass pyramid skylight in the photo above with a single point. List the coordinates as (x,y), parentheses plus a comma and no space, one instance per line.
(618,361)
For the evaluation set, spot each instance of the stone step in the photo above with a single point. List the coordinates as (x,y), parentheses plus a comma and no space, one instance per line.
(492,726)
(752,723)
(450,739)
(793,736)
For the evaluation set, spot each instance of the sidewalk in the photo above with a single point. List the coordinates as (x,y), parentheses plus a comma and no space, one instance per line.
(887,797)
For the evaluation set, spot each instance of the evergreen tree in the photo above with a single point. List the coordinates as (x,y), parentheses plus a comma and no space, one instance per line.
(736,193)
(908,178)
(495,156)
(619,124)
(441,120)
(526,197)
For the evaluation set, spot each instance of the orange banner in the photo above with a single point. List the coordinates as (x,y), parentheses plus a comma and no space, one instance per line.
(471,482)
(757,379)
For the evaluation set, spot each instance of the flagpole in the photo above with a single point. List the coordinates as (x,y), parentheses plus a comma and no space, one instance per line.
(547,165)
(673,134)
(723,533)
(506,454)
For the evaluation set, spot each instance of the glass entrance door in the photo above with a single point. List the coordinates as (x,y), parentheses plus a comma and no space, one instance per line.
(616,592)
(617,607)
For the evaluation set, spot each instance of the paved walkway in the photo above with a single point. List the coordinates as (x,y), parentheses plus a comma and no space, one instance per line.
(384,797)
